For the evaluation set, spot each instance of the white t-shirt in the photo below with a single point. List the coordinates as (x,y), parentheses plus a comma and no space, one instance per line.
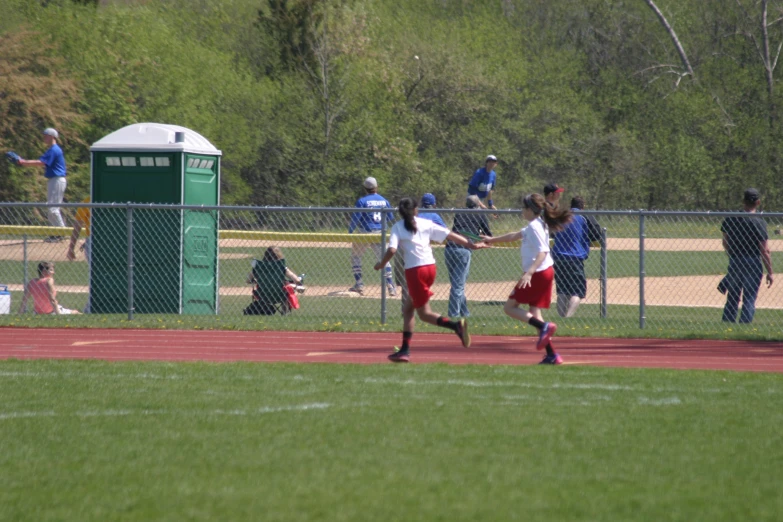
(415,247)
(535,239)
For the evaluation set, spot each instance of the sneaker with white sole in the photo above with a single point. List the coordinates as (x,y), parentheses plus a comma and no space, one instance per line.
(462,332)
(357,288)
(392,291)
(545,336)
(400,356)
(552,359)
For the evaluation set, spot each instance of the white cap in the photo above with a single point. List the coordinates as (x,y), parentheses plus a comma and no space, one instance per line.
(491,157)
(51,132)
(370,183)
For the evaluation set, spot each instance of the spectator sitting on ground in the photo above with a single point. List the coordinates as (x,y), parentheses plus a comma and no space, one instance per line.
(294,283)
(44,294)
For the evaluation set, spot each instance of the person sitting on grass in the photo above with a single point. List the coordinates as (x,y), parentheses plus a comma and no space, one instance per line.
(294,283)
(44,294)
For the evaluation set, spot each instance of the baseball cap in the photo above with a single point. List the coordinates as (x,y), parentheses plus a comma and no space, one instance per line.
(491,157)
(472,201)
(551,188)
(51,132)
(428,199)
(752,195)
(370,183)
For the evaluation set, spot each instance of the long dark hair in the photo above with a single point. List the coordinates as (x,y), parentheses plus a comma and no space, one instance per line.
(407,210)
(273,253)
(554,218)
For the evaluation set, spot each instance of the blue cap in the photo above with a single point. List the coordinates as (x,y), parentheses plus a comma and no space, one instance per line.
(428,199)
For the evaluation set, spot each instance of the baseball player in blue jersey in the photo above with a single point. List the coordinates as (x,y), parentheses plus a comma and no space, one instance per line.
(54,163)
(370,223)
(482,184)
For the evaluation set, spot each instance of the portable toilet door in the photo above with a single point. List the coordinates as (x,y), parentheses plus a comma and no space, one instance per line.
(175,252)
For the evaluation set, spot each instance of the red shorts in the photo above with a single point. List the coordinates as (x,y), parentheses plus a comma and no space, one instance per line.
(539,293)
(420,279)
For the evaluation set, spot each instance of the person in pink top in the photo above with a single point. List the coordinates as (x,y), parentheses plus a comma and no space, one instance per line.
(412,236)
(43,293)
(534,288)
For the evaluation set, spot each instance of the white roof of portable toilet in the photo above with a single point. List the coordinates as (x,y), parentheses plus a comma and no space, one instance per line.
(155,137)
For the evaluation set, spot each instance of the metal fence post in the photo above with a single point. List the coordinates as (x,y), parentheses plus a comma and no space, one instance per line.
(641,269)
(603,273)
(25,275)
(383,270)
(129,226)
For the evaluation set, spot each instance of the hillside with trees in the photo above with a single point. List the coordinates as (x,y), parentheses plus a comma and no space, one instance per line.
(665,104)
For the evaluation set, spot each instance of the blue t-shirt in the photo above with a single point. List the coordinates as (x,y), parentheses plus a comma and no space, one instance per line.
(54,160)
(432,216)
(370,221)
(481,183)
(573,240)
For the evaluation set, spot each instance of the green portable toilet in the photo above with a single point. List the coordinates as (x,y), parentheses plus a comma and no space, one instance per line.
(175,252)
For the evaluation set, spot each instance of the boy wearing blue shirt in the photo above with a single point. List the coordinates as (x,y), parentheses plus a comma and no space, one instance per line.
(370,223)
(482,184)
(569,252)
(428,202)
(53,161)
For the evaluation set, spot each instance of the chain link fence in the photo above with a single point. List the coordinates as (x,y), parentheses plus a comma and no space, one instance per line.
(648,271)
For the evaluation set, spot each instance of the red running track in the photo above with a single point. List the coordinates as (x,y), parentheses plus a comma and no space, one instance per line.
(370,348)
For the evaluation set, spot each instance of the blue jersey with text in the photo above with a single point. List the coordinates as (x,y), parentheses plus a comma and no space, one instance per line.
(370,221)
(54,160)
(481,183)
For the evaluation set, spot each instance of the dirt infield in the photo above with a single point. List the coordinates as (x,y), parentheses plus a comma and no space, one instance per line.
(37,250)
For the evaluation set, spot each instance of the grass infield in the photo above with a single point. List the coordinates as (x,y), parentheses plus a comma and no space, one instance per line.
(96,441)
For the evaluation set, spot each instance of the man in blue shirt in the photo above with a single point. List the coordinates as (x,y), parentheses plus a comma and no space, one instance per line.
(746,242)
(571,249)
(370,223)
(53,161)
(428,202)
(482,184)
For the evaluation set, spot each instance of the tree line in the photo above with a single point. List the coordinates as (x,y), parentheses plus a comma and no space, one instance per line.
(666,104)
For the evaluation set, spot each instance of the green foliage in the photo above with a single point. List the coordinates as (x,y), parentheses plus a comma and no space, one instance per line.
(307,97)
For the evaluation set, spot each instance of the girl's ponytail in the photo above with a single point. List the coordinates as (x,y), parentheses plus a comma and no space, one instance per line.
(555,219)
(407,210)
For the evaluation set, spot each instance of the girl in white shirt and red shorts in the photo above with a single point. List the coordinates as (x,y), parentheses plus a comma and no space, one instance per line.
(534,288)
(412,236)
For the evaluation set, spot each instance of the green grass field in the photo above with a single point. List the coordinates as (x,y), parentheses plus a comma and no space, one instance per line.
(96,441)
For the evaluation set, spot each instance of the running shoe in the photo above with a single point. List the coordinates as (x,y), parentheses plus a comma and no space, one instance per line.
(392,291)
(357,288)
(400,357)
(552,359)
(546,334)
(462,332)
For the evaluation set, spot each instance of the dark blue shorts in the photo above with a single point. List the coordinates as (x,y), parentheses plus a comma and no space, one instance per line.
(570,277)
